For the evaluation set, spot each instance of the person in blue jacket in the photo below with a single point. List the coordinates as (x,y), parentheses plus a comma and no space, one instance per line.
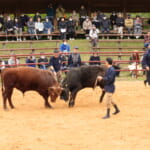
(146,65)
(109,87)
(65,47)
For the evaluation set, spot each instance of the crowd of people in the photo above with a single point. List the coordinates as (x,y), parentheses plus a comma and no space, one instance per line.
(56,19)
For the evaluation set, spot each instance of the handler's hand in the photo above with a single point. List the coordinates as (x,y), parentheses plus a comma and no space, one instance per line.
(99,78)
(147,68)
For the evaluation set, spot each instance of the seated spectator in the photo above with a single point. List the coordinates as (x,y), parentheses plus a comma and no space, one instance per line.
(48,27)
(113,18)
(36,16)
(87,24)
(82,15)
(120,24)
(43,59)
(100,16)
(129,24)
(71,29)
(65,47)
(60,12)
(39,28)
(134,63)
(117,68)
(50,12)
(2,64)
(30,61)
(105,25)
(75,18)
(9,28)
(13,62)
(17,29)
(138,26)
(94,59)
(147,40)
(31,28)
(63,28)
(94,36)
(24,19)
(95,20)
(1,22)
(74,59)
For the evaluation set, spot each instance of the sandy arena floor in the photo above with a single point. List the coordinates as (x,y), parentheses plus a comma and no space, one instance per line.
(32,127)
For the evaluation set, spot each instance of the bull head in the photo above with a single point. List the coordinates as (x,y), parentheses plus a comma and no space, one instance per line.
(65,94)
(54,92)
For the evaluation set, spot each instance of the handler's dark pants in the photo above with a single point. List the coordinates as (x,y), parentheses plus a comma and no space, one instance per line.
(148,77)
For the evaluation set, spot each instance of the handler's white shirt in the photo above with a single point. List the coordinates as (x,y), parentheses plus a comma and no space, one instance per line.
(94,34)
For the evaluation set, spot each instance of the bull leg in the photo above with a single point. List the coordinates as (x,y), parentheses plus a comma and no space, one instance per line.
(47,105)
(102,96)
(4,100)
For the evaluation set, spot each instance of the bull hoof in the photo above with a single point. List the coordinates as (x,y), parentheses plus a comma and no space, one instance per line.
(71,105)
(100,101)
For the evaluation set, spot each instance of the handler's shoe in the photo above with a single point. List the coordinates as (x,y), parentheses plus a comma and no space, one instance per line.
(116,110)
(145,81)
(107,115)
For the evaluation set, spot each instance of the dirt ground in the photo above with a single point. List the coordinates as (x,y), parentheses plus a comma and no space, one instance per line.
(32,127)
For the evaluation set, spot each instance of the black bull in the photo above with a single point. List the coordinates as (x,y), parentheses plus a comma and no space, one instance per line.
(79,78)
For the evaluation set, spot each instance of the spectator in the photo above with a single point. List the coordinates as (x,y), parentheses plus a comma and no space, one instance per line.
(100,16)
(87,24)
(117,68)
(65,47)
(95,20)
(94,59)
(24,19)
(31,60)
(1,22)
(48,27)
(13,62)
(60,12)
(63,28)
(138,26)
(82,14)
(75,18)
(9,27)
(129,24)
(113,18)
(50,12)
(105,25)
(17,29)
(36,16)
(71,28)
(43,59)
(31,28)
(94,36)
(74,59)
(39,28)
(120,24)
(147,40)
(2,64)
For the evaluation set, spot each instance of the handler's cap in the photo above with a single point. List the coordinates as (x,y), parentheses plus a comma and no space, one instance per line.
(76,47)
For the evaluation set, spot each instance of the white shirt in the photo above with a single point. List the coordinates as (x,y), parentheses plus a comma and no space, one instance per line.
(94,34)
(39,26)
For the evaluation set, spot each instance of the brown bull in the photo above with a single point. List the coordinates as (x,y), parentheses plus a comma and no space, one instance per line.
(28,78)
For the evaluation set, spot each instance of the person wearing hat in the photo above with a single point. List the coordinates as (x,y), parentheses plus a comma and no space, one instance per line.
(43,61)
(74,59)
(109,87)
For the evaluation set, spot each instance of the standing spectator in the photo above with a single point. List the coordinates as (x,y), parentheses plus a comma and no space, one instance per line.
(71,28)
(24,19)
(36,16)
(146,65)
(39,28)
(30,61)
(2,64)
(105,25)
(147,40)
(65,47)
(17,29)
(9,28)
(94,36)
(75,18)
(63,28)
(95,20)
(120,24)
(113,18)
(74,59)
(129,24)
(94,59)
(82,14)
(60,12)
(50,12)
(31,28)
(48,27)
(13,62)
(87,24)
(43,59)
(1,22)
(138,26)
